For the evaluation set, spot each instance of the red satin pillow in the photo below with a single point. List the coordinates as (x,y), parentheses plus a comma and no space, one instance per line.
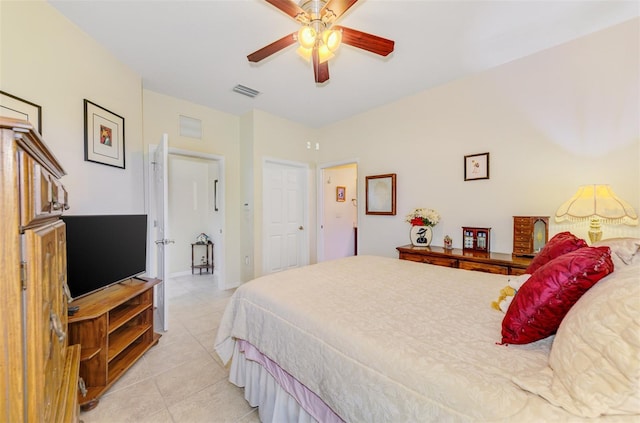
(542,302)
(561,243)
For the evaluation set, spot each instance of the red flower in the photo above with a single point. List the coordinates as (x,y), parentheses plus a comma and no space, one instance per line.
(417,221)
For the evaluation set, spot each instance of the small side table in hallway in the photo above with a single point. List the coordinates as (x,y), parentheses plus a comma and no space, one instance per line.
(206,262)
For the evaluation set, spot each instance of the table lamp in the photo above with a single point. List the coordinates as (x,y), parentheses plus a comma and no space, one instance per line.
(598,204)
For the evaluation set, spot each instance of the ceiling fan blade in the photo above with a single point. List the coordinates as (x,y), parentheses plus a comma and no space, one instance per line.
(369,42)
(272,48)
(290,8)
(320,70)
(336,8)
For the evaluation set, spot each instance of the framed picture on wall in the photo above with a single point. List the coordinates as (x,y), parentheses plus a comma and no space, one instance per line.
(17,108)
(103,136)
(476,166)
(340,194)
(380,193)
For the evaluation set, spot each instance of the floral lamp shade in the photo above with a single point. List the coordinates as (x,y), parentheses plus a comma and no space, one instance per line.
(597,204)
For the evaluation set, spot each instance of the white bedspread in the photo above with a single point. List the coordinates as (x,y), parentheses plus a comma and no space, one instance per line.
(388,340)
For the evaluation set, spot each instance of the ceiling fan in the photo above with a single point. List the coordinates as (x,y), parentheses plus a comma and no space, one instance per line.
(318,37)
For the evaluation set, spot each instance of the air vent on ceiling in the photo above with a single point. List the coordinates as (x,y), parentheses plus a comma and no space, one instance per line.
(249,92)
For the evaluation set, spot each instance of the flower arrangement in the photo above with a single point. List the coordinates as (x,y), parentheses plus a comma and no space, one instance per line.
(423,217)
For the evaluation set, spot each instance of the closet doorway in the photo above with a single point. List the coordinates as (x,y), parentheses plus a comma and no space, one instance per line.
(338,210)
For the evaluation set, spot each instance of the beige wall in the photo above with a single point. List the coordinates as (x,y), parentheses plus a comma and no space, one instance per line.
(552,121)
(48,61)
(220,137)
(247,194)
(280,139)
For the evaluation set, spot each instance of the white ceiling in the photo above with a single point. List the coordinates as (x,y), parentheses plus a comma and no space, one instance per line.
(196,50)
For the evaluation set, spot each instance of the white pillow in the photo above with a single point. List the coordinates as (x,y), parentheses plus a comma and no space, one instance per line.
(624,251)
(594,364)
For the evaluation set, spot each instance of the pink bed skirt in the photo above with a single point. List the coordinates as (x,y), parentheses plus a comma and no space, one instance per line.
(278,395)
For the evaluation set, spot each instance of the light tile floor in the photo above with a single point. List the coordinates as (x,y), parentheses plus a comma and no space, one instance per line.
(180,380)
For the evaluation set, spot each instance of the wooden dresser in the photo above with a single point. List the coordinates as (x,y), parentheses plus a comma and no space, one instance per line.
(500,263)
(38,369)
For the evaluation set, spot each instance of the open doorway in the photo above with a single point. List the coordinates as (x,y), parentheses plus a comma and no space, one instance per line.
(182,185)
(193,208)
(338,210)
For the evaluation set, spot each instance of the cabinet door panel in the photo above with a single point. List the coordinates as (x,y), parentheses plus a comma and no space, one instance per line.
(45,320)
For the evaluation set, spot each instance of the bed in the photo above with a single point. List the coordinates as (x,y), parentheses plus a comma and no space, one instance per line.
(375,339)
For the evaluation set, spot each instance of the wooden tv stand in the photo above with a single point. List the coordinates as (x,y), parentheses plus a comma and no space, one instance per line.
(114,328)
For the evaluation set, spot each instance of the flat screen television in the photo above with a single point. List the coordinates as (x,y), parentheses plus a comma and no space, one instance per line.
(103,250)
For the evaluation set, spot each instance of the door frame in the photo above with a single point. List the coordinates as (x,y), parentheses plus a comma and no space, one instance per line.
(220,250)
(304,169)
(320,200)
(160,256)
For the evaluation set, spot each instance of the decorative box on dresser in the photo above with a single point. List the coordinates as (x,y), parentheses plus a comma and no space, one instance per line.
(505,264)
(38,369)
(530,234)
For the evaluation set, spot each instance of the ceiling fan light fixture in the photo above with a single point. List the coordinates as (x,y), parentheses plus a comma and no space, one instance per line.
(305,53)
(332,38)
(317,37)
(324,53)
(307,37)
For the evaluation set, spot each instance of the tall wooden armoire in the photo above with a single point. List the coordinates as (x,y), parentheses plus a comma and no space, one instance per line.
(38,369)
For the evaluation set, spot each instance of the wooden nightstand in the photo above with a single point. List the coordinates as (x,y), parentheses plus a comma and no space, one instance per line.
(504,264)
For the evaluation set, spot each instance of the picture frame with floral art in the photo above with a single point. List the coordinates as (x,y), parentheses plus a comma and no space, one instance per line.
(103,136)
(476,166)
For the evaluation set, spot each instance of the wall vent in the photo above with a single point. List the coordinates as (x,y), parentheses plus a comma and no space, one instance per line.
(249,92)
(190,127)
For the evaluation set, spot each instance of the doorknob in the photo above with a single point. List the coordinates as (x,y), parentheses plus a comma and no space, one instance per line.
(300,227)
(165,241)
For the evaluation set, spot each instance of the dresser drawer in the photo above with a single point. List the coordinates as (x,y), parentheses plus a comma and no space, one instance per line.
(484,267)
(438,261)
(42,195)
(516,271)
(522,229)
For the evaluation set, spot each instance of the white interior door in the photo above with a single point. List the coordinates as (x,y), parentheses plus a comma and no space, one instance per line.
(285,239)
(161,190)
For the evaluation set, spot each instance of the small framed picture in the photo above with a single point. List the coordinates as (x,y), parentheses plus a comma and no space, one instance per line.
(476,166)
(340,194)
(380,193)
(103,136)
(17,108)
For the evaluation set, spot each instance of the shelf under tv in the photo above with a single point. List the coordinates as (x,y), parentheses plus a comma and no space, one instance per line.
(114,328)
